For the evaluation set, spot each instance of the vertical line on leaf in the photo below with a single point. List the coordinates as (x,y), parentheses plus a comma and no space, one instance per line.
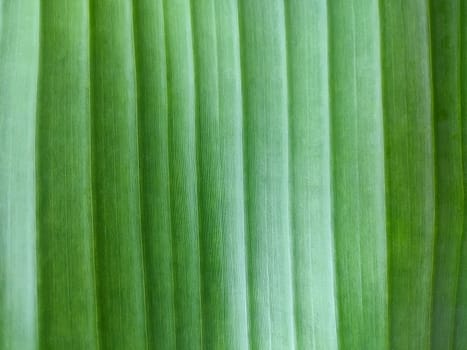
(169,149)
(244,170)
(385,174)
(332,168)
(143,261)
(36,269)
(197,172)
(92,169)
(435,173)
(169,185)
(36,170)
(460,313)
(290,184)
(331,173)
(357,167)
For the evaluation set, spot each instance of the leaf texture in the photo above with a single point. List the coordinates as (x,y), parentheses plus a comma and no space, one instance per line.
(233,174)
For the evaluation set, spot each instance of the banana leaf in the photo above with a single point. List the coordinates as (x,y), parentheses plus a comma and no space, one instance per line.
(233,174)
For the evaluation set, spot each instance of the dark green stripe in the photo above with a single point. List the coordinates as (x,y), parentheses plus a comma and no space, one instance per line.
(117,227)
(66,289)
(410,180)
(449,178)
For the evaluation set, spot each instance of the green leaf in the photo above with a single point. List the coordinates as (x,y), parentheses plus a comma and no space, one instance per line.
(233,174)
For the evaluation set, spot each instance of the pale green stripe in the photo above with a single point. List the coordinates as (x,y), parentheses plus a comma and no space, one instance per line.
(270,288)
(307,48)
(19,47)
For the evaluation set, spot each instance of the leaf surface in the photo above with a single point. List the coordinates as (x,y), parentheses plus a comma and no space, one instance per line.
(232,174)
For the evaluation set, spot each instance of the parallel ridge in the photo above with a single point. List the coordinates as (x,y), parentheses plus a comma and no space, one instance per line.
(220,174)
(310,174)
(150,52)
(183,174)
(232,202)
(266,159)
(358,186)
(210,186)
(231,175)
